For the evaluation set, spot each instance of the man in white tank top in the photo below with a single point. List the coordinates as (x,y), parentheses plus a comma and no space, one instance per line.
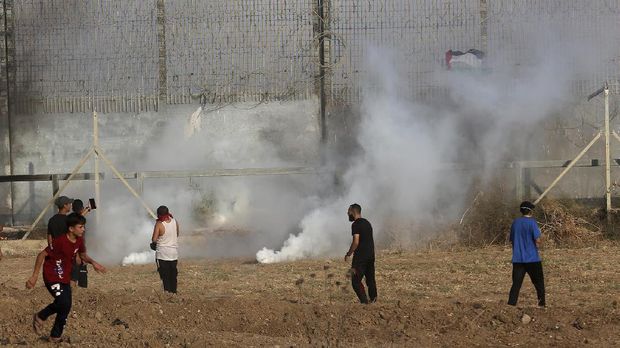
(165,236)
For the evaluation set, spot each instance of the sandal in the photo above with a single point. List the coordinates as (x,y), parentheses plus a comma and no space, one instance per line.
(37,323)
(55,339)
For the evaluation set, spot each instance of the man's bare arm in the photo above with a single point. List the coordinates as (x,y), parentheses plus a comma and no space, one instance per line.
(30,283)
(354,243)
(156,232)
(86,258)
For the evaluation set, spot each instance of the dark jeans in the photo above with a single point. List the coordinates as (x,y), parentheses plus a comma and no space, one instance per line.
(360,270)
(168,274)
(61,306)
(535,271)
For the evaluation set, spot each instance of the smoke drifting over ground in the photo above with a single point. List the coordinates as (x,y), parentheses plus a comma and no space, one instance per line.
(400,175)
(400,172)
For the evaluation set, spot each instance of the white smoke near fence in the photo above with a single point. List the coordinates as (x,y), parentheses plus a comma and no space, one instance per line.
(486,117)
(398,172)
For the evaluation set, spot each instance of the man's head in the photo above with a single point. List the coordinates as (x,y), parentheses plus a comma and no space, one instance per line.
(527,208)
(63,203)
(162,210)
(75,224)
(354,212)
(77,206)
(163,214)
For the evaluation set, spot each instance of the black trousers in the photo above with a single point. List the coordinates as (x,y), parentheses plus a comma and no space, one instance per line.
(364,269)
(535,271)
(61,306)
(168,274)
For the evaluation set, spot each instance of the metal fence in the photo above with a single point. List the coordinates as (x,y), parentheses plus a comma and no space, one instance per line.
(130,55)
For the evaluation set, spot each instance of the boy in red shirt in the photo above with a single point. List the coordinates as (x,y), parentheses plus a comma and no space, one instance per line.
(57,261)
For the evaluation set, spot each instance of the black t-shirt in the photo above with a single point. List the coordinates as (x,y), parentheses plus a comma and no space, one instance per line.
(366,248)
(57,225)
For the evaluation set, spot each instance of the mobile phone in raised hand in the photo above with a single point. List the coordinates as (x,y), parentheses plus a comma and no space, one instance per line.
(91,202)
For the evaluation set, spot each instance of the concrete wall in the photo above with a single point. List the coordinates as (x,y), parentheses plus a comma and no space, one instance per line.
(242,135)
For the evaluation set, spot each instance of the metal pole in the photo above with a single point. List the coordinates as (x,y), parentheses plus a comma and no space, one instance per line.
(607,154)
(571,165)
(322,71)
(97,176)
(120,177)
(51,201)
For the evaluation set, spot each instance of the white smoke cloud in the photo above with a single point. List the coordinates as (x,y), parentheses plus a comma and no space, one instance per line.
(485,118)
(398,172)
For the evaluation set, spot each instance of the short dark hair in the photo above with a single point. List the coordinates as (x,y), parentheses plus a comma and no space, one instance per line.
(356,208)
(75,219)
(526,207)
(163,210)
(77,205)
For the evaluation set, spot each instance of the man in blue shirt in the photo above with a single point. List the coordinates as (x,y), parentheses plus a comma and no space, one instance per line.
(525,239)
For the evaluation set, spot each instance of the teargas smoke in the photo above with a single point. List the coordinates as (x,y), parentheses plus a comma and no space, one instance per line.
(400,170)
(485,117)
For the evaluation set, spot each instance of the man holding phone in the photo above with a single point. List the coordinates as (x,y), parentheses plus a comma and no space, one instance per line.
(79,271)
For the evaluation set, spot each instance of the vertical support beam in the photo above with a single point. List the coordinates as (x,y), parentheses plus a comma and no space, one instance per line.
(484,38)
(55,184)
(7,78)
(161,42)
(97,174)
(527,182)
(519,181)
(320,34)
(607,153)
(140,182)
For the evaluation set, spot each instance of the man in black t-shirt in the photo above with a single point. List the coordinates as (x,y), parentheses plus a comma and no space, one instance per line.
(57,224)
(363,251)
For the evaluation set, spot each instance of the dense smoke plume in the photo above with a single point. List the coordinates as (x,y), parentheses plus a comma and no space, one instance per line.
(401,170)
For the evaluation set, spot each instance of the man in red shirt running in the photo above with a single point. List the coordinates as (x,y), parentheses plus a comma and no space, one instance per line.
(57,261)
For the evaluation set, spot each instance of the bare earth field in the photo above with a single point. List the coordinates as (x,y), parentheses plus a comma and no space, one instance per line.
(431,298)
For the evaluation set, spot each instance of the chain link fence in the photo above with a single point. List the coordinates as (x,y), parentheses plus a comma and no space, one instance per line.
(130,56)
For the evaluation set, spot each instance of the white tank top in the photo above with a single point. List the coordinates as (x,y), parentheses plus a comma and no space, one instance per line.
(167,244)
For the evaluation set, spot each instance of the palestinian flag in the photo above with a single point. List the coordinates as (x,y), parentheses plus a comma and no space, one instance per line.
(470,60)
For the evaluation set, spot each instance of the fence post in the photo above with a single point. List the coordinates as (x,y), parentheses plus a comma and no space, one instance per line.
(484,17)
(320,35)
(7,83)
(55,185)
(161,43)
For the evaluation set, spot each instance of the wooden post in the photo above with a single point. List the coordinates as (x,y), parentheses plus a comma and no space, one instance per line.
(62,188)
(519,181)
(572,163)
(122,179)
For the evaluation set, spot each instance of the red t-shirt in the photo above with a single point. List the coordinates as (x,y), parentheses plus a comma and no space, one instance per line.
(59,259)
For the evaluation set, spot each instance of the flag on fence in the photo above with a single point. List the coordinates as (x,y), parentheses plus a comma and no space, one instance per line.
(470,60)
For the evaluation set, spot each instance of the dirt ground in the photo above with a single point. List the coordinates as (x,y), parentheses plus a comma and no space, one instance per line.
(430,298)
